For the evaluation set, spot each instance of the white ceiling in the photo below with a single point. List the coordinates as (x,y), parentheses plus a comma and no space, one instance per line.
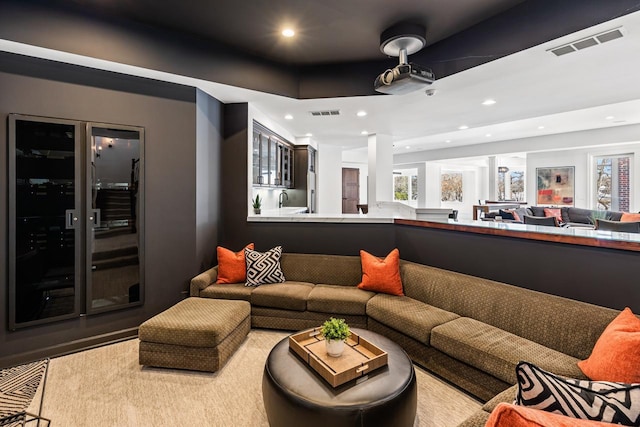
(532,88)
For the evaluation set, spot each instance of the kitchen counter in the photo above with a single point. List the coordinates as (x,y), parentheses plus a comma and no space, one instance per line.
(286,215)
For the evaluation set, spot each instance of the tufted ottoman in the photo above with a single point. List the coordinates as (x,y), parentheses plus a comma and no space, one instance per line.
(197,333)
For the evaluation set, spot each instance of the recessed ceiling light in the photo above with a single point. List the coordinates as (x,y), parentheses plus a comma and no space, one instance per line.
(448,141)
(488,102)
(463,127)
(309,134)
(407,147)
(361,113)
(609,117)
(288,117)
(364,132)
(488,135)
(540,127)
(288,32)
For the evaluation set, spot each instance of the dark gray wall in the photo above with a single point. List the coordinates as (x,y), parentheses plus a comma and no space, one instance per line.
(168,114)
(209,119)
(601,276)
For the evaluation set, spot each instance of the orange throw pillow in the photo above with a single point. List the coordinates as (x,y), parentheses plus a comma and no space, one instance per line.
(553,212)
(232,267)
(381,275)
(508,415)
(630,217)
(616,355)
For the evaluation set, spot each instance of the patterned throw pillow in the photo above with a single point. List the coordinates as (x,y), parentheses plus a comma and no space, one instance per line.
(264,267)
(610,402)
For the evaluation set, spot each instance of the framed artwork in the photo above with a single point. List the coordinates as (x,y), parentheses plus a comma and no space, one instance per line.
(556,186)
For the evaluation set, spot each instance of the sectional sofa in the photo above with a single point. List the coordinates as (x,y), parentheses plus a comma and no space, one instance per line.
(571,217)
(467,330)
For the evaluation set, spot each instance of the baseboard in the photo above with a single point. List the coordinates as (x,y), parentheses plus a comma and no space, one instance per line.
(70,347)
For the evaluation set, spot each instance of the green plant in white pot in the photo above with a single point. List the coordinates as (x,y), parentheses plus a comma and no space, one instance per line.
(256,203)
(335,333)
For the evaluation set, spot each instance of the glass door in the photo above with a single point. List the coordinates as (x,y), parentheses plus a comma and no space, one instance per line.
(44,220)
(114,226)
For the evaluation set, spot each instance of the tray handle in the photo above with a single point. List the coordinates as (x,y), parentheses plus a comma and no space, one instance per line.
(362,368)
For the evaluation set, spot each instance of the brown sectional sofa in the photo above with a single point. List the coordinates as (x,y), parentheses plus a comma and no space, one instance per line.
(468,330)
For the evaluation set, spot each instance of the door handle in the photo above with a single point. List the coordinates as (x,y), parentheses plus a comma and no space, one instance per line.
(70,219)
(95,218)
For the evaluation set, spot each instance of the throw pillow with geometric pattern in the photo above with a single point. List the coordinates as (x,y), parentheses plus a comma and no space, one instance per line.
(263,267)
(615,403)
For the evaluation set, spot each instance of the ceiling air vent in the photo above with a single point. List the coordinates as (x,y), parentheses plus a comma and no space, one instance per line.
(325,113)
(588,42)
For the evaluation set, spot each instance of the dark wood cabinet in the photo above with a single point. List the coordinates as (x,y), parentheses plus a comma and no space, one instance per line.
(272,159)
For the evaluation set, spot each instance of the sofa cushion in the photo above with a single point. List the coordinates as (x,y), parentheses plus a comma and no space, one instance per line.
(381,275)
(228,291)
(409,316)
(497,352)
(288,295)
(508,396)
(319,268)
(583,216)
(264,267)
(232,266)
(537,210)
(629,217)
(514,309)
(337,299)
(508,415)
(610,402)
(616,355)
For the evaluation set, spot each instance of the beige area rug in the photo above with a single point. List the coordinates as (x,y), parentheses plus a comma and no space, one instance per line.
(106,387)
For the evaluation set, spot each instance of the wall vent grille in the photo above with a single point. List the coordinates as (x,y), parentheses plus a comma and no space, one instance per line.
(586,42)
(325,113)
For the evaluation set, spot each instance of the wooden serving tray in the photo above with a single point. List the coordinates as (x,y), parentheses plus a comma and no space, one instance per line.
(358,359)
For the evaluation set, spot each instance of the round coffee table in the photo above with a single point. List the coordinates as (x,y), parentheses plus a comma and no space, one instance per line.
(294,394)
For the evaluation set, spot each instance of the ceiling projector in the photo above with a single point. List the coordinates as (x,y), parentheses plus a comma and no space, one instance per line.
(401,40)
(404,78)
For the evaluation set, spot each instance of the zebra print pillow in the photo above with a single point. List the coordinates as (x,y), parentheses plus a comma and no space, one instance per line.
(610,402)
(263,267)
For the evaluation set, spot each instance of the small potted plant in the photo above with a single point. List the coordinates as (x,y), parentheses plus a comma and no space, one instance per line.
(335,333)
(257,203)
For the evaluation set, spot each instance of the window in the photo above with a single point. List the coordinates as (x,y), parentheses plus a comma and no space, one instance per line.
(405,186)
(401,187)
(612,182)
(510,184)
(451,187)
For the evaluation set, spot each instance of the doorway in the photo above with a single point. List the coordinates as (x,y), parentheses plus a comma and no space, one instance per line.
(350,190)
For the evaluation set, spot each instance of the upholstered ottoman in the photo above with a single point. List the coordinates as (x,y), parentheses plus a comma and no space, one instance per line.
(197,333)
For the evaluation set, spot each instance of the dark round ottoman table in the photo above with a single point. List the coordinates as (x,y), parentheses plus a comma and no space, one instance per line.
(295,395)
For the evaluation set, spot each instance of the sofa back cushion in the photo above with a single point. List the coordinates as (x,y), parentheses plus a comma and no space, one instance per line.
(543,318)
(322,269)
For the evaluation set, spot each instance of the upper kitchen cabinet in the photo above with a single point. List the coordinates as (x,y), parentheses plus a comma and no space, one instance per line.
(272,158)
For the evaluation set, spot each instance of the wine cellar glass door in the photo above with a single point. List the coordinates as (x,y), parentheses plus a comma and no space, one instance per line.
(44,168)
(114,227)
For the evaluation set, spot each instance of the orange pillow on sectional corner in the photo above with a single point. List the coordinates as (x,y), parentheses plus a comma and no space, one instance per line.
(381,275)
(630,217)
(509,415)
(554,212)
(616,355)
(232,267)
